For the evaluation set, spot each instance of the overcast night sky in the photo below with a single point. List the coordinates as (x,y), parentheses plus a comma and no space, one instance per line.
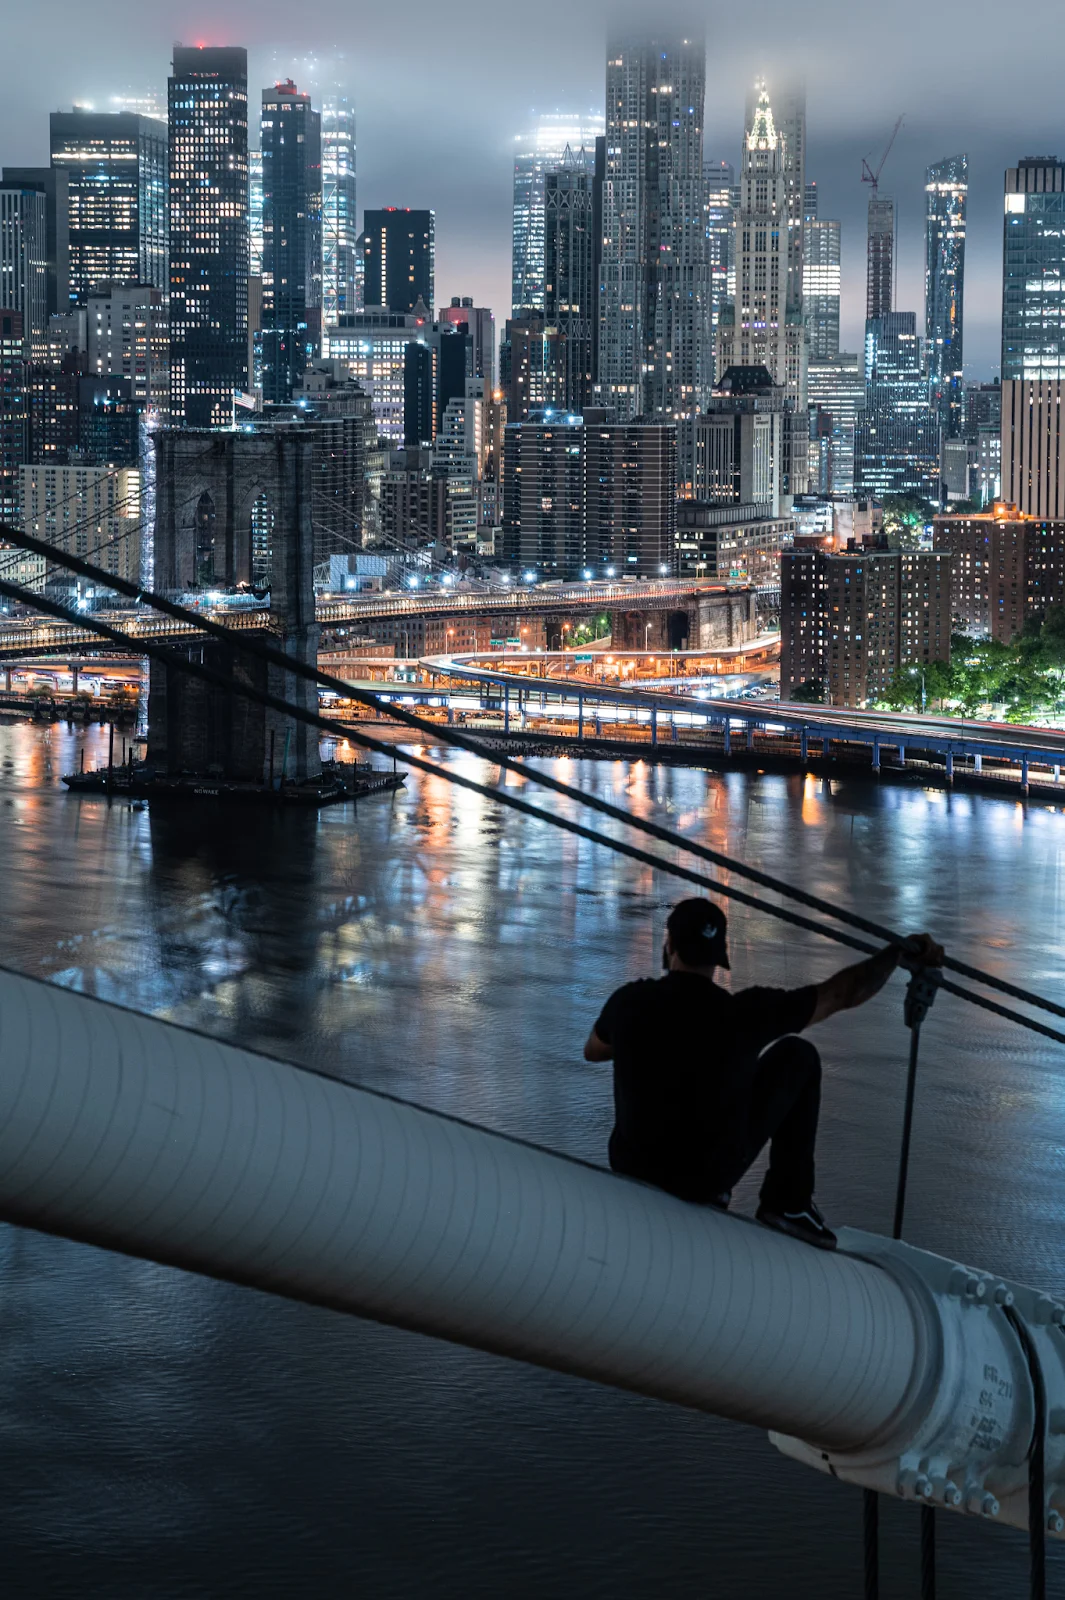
(441,90)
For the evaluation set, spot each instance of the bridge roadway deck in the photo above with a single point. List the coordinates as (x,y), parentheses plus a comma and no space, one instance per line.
(948,737)
(39,635)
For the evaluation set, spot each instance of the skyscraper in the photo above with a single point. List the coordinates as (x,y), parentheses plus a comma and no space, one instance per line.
(946,190)
(116,166)
(52,183)
(1033,336)
(571,281)
(14,412)
(1033,270)
(536,153)
(399,251)
(836,393)
(209,250)
(339,228)
(764,324)
(24,257)
(720,178)
(655,350)
(292,238)
(880,256)
(481,326)
(897,446)
(821,287)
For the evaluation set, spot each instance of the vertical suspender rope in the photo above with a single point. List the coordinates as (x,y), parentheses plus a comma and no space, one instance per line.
(1037,1508)
(920,993)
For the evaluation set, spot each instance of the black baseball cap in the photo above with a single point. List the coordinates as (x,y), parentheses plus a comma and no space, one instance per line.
(697,929)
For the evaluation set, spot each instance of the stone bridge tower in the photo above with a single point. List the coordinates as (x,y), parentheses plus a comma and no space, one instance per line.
(233,511)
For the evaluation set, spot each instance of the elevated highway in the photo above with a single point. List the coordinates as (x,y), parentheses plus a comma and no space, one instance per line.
(947,738)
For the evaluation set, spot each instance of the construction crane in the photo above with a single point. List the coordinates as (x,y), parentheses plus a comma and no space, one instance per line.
(868,175)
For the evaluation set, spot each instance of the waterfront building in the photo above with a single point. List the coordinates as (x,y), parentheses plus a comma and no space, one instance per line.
(291,312)
(946,191)
(731,543)
(209,242)
(537,152)
(1033,269)
(88,511)
(399,258)
(585,493)
(763,326)
(1008,569)
(24,258)
(480,324)
(880,257)
(572,251)
(850,621)
(339,225)
(116,179)
(656,289)
(897,443)
(52,183)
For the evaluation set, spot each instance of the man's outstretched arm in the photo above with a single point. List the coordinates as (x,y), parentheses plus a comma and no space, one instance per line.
(853,986)
(596,1049)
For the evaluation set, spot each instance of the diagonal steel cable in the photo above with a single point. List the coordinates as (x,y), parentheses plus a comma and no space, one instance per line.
(172,658)
(544,780)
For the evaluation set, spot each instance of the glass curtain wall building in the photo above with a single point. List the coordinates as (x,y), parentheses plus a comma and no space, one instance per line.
(209,243)
(655,348)
(292,239)
(571,282)
(339,227)
(946,191)
(1033,271)
(821,281)
(116,166)
(536,153)
(897,442)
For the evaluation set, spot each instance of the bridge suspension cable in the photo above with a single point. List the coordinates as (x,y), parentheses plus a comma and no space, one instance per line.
(501,797)
(545,780)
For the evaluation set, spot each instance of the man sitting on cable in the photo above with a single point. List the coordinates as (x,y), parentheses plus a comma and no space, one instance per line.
(704,1079)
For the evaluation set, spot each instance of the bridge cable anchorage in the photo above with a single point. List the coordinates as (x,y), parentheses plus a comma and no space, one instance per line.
(448,735)
(170,658)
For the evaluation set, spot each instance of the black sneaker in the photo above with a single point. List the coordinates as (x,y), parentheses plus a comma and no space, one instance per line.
(807,1224)
(722,1201)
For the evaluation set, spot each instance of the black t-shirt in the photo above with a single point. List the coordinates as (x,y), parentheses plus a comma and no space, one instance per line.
(684,1056)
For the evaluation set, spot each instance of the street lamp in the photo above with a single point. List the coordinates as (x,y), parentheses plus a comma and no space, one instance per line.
(924,693)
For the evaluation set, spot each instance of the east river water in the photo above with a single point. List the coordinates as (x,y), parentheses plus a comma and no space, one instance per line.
(163,1435)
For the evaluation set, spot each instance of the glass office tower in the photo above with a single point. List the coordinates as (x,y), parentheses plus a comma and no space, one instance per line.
(340,231)
(946,191)
(1033,270)
(209,235)
(897,442)
(116,197)
(292,238)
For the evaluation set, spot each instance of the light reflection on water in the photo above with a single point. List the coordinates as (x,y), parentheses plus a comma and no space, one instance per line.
(167,1435)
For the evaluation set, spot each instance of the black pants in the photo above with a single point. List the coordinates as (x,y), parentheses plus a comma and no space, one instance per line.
(780,1108)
